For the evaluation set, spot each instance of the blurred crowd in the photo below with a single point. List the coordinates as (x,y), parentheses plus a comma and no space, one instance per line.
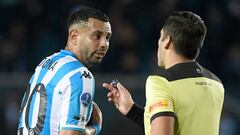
(33,29)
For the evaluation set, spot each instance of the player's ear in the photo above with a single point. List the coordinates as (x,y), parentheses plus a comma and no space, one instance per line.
(167,42)
(73,34)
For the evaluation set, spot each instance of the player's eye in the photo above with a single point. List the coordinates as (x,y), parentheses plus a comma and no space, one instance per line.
(96,35)
(108,37)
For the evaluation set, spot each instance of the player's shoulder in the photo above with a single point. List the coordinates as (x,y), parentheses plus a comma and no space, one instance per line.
(70,63)
(69,59)
(59,59)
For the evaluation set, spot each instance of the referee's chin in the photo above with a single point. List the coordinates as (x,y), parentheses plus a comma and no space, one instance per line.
(161,65)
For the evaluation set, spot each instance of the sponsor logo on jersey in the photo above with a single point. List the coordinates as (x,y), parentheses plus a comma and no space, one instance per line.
(80,118)
(86,75)
(162,103)
(85,99)
(203,83)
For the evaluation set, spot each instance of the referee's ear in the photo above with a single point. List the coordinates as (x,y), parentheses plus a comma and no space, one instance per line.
(167,42)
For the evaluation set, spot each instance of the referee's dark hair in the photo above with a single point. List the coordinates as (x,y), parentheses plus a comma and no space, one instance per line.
(187,31)
(84,13)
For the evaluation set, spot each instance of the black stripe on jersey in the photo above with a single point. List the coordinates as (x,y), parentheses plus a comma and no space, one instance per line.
(162,114)
(186,70)
(20,131)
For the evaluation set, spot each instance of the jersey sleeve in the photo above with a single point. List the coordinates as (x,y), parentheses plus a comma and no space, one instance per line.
(77,102)
(159,97)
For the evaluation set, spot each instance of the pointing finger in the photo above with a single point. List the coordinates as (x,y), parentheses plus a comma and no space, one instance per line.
(108,86)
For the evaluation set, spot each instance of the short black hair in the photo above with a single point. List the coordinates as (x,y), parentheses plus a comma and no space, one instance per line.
(84,13)
(187,31)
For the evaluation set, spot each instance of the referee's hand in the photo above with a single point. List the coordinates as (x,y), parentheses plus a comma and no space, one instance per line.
(120,96)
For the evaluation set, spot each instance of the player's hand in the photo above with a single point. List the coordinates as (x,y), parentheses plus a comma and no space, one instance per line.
(95,121)
(93,127)
(96,114)
(120,96)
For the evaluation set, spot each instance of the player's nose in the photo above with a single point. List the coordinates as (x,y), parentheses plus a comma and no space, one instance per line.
(104,43)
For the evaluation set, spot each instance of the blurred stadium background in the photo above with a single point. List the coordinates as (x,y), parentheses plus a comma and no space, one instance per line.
(32,29)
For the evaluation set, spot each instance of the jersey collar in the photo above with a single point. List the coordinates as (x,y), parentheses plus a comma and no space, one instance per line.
(66,52)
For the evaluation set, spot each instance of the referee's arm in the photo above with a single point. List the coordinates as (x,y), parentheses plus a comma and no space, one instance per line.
(162,125)
(136,114)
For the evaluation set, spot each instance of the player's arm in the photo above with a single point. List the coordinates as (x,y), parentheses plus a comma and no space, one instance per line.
(92,128)
(87,131)
(78,106)
(162,125)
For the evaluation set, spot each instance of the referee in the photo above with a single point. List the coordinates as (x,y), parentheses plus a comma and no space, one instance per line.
(184,98)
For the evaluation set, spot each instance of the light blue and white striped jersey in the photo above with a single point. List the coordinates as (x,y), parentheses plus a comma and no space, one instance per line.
(59,96)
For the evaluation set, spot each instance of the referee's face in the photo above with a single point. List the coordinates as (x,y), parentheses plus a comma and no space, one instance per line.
(93,42)
(161,52)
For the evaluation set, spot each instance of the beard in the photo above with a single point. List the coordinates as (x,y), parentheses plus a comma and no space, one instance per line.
(91,58)
(95,58)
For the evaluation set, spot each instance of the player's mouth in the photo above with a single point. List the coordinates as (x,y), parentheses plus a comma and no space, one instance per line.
(100,54)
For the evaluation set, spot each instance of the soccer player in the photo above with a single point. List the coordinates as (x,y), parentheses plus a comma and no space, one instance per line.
(183,99)
(59,98)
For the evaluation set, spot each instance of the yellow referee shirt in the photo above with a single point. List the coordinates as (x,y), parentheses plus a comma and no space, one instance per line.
(188,92)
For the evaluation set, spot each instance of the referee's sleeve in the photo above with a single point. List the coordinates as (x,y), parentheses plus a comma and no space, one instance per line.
(159,98)
(136,114)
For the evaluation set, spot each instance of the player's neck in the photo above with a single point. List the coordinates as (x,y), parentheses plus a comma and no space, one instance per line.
(68,48)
